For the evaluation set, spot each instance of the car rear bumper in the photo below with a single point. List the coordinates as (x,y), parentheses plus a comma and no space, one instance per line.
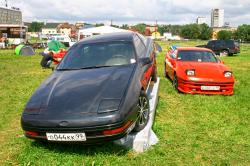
(192,87)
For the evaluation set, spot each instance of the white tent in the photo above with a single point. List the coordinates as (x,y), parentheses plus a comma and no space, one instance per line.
(98,31)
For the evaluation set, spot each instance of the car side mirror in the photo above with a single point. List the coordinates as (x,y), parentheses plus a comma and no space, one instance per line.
(158,48)
(145,61)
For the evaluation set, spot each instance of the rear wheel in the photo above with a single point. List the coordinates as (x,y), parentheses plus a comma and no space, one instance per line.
(143,113)
(225,53)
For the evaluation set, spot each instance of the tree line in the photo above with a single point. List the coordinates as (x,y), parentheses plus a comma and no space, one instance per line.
(242,34)
(201,31)
(189,31)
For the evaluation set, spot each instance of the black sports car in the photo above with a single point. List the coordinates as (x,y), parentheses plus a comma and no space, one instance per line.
(96,93)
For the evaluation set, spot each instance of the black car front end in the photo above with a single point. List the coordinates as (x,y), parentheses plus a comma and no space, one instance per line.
(36,128)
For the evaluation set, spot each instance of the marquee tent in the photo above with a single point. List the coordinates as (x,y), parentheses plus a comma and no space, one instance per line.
(99,31)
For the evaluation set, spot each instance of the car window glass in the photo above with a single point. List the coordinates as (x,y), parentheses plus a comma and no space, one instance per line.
(218,43)
(140,47)
(98,54)
(210,44)
(196,56)
(143,39)
(174,54)
(151,49)
(230,43)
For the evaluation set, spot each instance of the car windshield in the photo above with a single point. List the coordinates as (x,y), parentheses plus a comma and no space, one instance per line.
(106,54)
(196,56)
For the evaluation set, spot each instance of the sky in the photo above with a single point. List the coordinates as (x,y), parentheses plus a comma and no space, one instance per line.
(237,12)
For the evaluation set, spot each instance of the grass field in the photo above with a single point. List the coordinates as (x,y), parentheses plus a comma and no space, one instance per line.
(193,129)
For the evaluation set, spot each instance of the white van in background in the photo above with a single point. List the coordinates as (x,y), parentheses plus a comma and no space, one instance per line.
(66,40)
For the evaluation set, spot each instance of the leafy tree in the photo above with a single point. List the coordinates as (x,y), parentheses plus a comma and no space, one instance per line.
(125,26)
(174,29)
(116,26)
(99,24)
(140,28)
(243,33)
(205,32)
(35,26)
(190,31)
(224,35)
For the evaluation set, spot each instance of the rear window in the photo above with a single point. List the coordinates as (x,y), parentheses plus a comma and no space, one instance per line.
(236,43)
(230,43)
(196,56)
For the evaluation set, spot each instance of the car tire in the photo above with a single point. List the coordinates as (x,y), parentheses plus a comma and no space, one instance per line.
(143,112)
(225,52)
(175,83)
(165,71)
(154,76)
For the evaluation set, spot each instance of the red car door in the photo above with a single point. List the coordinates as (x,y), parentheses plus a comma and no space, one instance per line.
(148,73)
(171,62)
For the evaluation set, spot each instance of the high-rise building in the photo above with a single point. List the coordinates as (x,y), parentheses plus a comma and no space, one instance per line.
(201,20)
(217,18)
(10,15)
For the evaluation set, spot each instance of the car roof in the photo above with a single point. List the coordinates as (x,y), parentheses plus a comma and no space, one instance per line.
(192,49)
(120,36)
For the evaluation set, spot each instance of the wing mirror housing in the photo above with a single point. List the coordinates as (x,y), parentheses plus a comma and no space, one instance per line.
(158,48)
(145,61)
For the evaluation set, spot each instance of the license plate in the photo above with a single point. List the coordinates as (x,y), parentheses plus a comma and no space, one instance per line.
(215,88)
(67,137)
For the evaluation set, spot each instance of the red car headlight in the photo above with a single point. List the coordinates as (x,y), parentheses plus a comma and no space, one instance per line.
(228,74)
(190,72)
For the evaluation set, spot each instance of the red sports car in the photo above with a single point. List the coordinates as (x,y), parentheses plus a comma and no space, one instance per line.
(198,71)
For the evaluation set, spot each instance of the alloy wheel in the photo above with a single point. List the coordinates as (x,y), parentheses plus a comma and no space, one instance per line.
(143,106)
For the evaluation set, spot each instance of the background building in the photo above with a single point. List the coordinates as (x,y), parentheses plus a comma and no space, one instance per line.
(11,26)
(217,18)
(216,30)
(201,20)
(50,28)
(10,16)
(150,29)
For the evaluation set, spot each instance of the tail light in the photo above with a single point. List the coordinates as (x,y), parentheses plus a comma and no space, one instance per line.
(31,133)
(117,130)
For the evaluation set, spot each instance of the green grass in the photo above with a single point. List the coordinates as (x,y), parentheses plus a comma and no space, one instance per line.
(193,129)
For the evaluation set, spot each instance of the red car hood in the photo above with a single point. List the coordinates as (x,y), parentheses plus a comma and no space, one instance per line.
(204,71)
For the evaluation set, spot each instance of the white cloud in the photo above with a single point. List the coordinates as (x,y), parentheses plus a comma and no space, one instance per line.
(132,11)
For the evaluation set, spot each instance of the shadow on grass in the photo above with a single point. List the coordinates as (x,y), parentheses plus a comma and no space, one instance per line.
(89,150)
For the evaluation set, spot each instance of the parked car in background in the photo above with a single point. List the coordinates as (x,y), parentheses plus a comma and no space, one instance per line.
(198,71)
(97,93)
(225,47)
